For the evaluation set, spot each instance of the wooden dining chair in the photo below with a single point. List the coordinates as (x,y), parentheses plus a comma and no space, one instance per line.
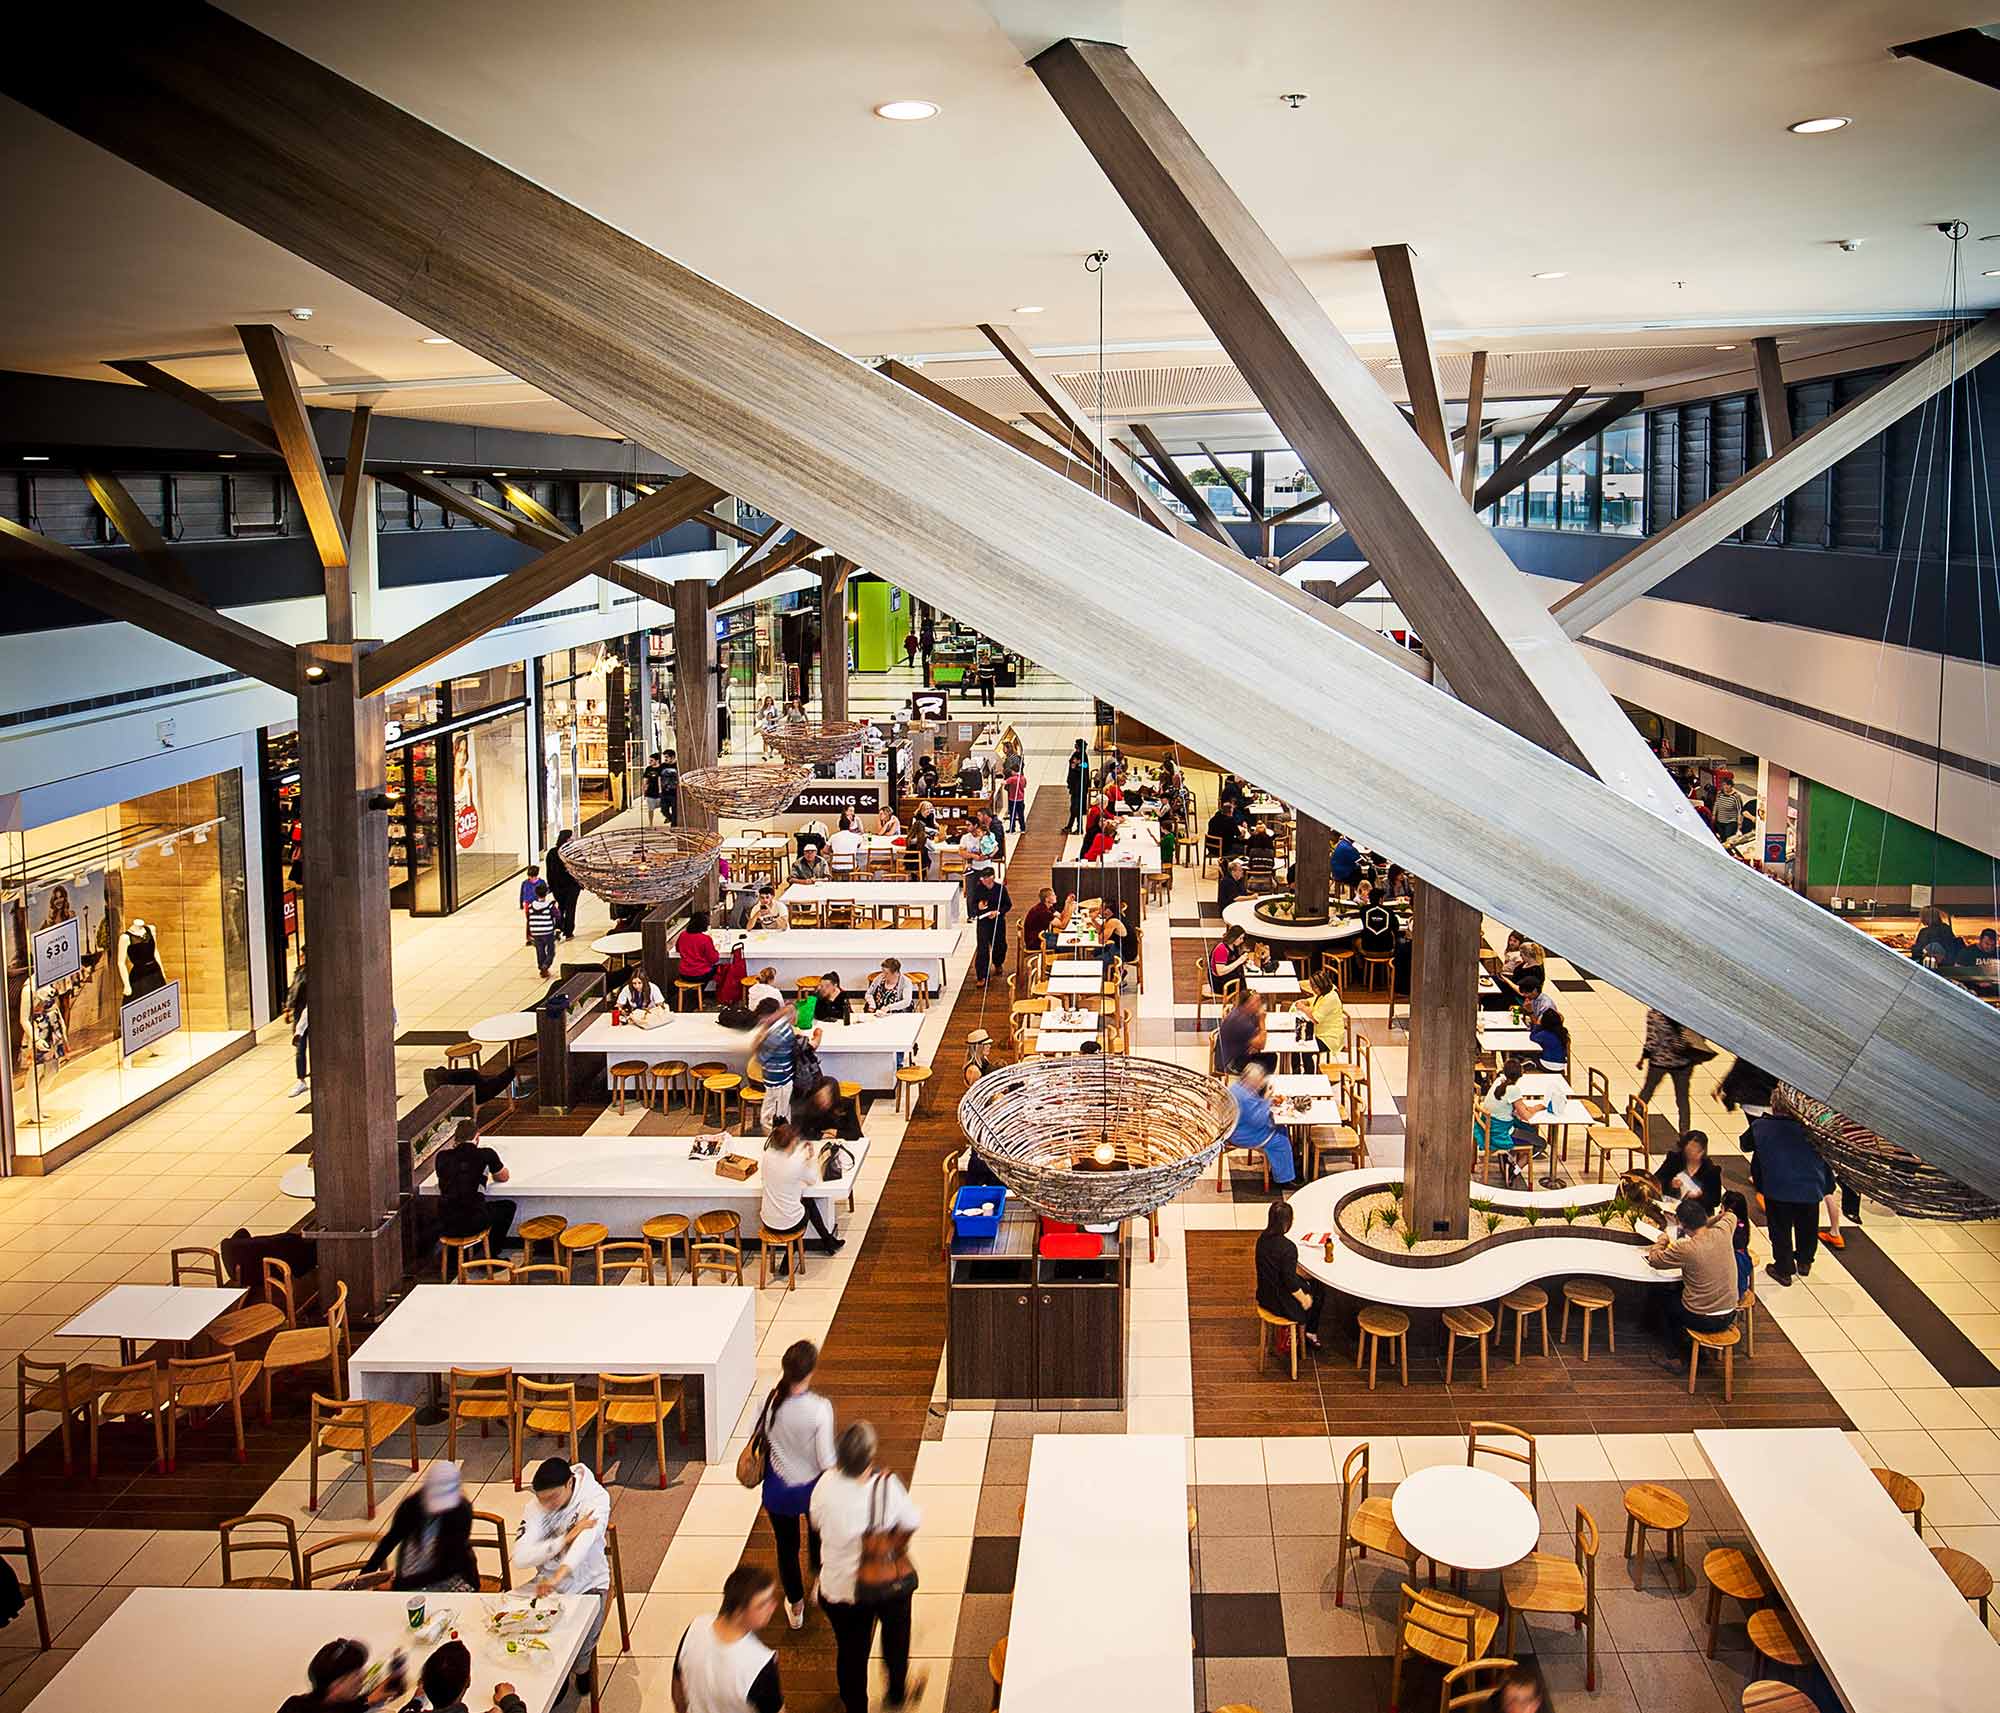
(1366,1524)
(615,1260)
(60,1389)
(493,1529)
(550,1407)
(716,1245)
(640,1401)
(486,1272)
(310,1347)
(1510,1445)
(541,1273)
(1441,1627)
(1547,1582)
(1474,1684)
(136,1389)
(357,1425)
(258,1535)
(29,1576)
(202,1383)
(341,1561)
(482,1395)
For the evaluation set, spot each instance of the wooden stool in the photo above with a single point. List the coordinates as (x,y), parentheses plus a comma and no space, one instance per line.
(574,1241)
(996,1667)
(1909,1497)
(1528,1300)
(1774,1637)
(716,1246)
(721,1089)
(1725,1341)
(688,990)
(1737,1575)
(794,1245)
(629,1075)
(1651,1506)
(462,1053)
(920,983)
(1377,1324)
(1767,1695)
(454,1252)
(1473,1323)
(1592,1296)
(662,1229)
(912,1078)
(707,1068)
(1968,1575)
(671,1074)
(543,1228)
(1266,1320)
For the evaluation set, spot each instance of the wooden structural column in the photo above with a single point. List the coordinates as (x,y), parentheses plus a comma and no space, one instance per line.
(1444,1011)
(1312,858)
(348,987)
(833,641)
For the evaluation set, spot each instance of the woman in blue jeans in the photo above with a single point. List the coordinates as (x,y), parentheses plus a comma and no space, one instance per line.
(797,1429)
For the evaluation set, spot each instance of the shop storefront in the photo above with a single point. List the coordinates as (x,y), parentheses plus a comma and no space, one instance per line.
(590,746)
(127,939)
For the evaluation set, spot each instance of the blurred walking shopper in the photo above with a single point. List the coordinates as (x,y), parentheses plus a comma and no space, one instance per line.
(544,922)
(1078,780)
(1670,1052)
(865,1518)
(797,1430)
(295,1015)
(564,887)
(721,1665)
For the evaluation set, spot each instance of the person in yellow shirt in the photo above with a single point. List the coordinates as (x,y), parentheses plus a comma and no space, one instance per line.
(1329,1016)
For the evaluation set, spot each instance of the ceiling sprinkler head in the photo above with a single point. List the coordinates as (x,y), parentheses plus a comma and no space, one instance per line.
(1294,102)
(300,314)
(1850,245)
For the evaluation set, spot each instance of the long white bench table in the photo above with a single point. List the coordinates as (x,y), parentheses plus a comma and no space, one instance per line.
(855,953)
(1888,1627)
(708,1334)
(1102,1616)
(868,1051)
(945,901)
(199,1650)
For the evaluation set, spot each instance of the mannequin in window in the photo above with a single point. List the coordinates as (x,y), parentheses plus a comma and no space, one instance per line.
(139,960)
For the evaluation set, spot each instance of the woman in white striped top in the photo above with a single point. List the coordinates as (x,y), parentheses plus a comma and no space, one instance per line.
(797,1425)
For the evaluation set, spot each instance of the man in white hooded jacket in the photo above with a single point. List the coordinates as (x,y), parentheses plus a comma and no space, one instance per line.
(561,1540)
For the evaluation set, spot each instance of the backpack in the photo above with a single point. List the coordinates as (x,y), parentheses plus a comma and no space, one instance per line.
(729,982)
(806,1072)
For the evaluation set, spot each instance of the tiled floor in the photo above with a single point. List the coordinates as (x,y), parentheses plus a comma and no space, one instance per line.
(1266,1629)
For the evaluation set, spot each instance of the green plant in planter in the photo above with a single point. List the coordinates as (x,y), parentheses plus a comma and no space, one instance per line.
(1395,1194)
(1492,1217)
(1532,1214)
(1605,1212)
(1572,1213)
(1410,1237)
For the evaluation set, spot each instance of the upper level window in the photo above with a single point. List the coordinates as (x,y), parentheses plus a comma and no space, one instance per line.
(1623,477)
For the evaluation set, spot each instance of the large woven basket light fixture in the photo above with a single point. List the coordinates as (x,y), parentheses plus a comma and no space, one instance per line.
(744,790)
(642,865)
(1097,1137)
(808,743)
(1884,1170)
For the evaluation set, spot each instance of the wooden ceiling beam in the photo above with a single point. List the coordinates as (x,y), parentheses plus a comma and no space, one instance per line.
(1475,412)
(238,422)
(749,571)
(1396,264)
(1762,486)
(139,534)
(1565,440)
(1969,53)
(1774,404)
(140,601)
(356,467)
(472,509)
(534,511)
(664,356)
(510,596)
(1180,487)
(271,362)
(1512,468)
(1222,470)
(723,526)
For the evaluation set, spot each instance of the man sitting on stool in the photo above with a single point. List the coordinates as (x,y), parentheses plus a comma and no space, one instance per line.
(464,1207)
(1705,1252)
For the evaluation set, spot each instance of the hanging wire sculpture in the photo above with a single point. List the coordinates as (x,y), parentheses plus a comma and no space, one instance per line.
(815,742)
(744,790)
(1093,1138)
(642,865)
(1879,1168)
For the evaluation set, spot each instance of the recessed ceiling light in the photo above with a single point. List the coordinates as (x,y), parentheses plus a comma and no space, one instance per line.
(1554,274)
(1991,274)
(1813,127)
(1028,309)
(499,472)
(1725,347)
(436,339)
(225,454)
(907,111)
(34,457)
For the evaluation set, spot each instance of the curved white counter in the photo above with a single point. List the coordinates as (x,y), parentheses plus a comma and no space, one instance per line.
(1243,914)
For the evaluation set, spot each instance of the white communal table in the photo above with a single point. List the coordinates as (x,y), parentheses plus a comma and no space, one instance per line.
(855,952)
(1274,986)
(622,1181)
(1482,1277)
(1106,1515)
(1091,967)
(941,898)
(195,1650)
(1890,1630)
(1507,1041)
(708,1335)
(1243,914)
(151,1314)
(1465,1518)
(868,1051)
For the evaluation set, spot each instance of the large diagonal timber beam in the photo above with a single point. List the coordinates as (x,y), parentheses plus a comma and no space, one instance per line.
(1477,615)
(1475,411)
(1180,487)
(508,597)
(355,471)
(1514,468)
(140,533)
(656,352)
(1970,53)
(742,577)
(1264,525)
(1761,487)
(271,362)
(1319,538)
(139,600)
(1397,266)
(238,422)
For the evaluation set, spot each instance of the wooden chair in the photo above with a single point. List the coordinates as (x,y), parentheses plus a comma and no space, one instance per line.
(625,1257)
(1767,1695)
(273,1534)
(136,1389)
(1473,1684)
(1649,1505)
(482,1395)
(1256,1158)
(466,1053)
(1968,1575)
(717,1246)
(920,986)
(1511,1444)
(633,1076)
(717,1092)
(1596,1098)
(541,1273)
(589,1238)
(1366,1525)
(549,1407)
(665,1229)
(211,1382)
(1736,1576)
(495,1529)
(1528,1300)
(910,1079)
(1605,1140)
(1267,1323)
(1379,1325)
(793,1245)
(340,1560)
(1471,1322)
(1543,1582)
(309,1346)
(357,1425)
(1593,1296)
(1723,1342)
(1640,1122)
(454,1252)
(543,1228)
(1907,1495)
(641,1401)
(996,1668)
(238,1327)
(486,1272)
(1746,1314)
(54,1388)
(30,1574)
(1441,1627)
(1024,1017)
(1776,1637)
(1223,996)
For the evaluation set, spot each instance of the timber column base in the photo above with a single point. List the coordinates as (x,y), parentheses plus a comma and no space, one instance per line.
(368,1263)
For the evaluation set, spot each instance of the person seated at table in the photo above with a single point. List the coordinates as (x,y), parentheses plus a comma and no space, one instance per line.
(1328,1014)
(1281,1288)
(464,1208)
(994,825)
(1239,1038)
(925,817)
(1703,1246)
(888,824)
(1260,847)
(1550,1035)
(1099,833)
(1232,789)
(638,993)
(334,1677)
(561,1541)
(1222,829)
(431,1535)
(1396,885)
(1258,1131)
(1533,997)
(925,779)
(849,822)
(1114,940)
(696,951)
(845,842)
(1510,956)
(1688,1171)
(1233,884)
(1508,1112)
(1227,957)
(811,864)
(830,1004)
(446,1680)
(1985,951)
(790,1169)
(889,990)
(1378,931)
(822,1111)
(1344,864)
(1040,914)
(1937,942)
(1531,968)
(1114,794)
(768,914)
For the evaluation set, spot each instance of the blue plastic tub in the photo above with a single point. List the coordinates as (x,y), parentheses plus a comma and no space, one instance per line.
(969,1223)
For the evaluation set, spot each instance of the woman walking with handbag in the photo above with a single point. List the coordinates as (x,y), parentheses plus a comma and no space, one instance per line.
(795,1434)
(1671,1051)
(865,1518)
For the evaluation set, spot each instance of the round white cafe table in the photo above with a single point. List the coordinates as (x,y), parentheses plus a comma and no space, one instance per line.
(504,1029)
(1465,1518)
(298,1183)
(1243,914)
(618,945)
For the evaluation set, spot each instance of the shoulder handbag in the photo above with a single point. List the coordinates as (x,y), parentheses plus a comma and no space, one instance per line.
(755,1456)
(885,1573)
(833,1163)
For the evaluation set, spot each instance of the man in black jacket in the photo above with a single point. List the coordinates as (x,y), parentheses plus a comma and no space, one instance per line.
(564,885)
